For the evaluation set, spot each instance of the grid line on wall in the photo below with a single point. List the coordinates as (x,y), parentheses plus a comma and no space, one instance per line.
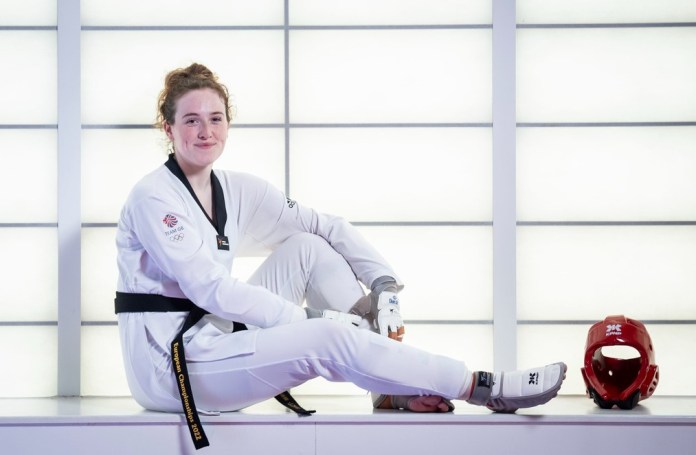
(355,223)
(126,126)
(600,124)
(28,225)
(406,321)
(286,26)
(27,126)
(607,223)
(88,126)
(29,28)
(609,25)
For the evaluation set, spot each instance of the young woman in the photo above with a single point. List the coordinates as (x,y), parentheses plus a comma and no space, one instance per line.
(189,329)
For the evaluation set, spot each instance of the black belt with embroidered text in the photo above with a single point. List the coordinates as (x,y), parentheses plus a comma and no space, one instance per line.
(138,303)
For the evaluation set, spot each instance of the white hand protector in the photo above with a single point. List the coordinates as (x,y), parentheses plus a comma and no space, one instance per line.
(389,320)
(344,318)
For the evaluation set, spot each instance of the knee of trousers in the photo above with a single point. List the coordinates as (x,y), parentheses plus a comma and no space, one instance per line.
(312,248)
(338,339)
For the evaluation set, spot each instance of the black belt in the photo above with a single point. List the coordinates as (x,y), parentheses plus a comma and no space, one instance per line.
(138,303)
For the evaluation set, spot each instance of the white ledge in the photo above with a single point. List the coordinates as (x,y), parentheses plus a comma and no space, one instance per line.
(342,408)
(347,425)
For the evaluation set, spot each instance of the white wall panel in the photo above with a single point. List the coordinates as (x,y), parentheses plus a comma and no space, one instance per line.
(606,174)
(606,75)
(112,162)
(29,267)
(390,12)
(28,176)
(250,63)
(579,273)
(101,352)
(30,365)
(399,174)
(28,12)
(181,12)
(602,11)
(29,94)
(470,343)
(99,274)
(446,269)
(359,76)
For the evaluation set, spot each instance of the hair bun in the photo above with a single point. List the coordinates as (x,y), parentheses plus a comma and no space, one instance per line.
(182,80)
(192,72)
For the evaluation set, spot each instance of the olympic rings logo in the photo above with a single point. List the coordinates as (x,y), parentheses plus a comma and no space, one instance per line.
(177,237)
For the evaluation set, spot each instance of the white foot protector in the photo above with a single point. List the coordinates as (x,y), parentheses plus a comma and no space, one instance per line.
(509,391)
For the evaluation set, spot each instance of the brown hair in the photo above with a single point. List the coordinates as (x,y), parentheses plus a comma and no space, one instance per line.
(181,81)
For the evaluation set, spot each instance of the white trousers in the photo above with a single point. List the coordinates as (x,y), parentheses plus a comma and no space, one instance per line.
(306,268)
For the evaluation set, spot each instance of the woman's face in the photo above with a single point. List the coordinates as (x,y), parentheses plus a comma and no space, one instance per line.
(199,131)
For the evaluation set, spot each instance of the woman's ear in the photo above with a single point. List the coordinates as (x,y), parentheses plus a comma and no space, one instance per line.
(167,130)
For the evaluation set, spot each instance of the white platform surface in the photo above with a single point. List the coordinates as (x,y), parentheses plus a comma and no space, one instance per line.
(348,425)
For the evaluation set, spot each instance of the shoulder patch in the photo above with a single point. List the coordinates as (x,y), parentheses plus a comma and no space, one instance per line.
(170,220)
(172,231)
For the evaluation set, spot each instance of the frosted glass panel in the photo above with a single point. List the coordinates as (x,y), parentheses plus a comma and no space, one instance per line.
(543,344)
(567,343)
(33,96)
(182,12)
(606,75)
(390,76)
(28,12)
(102,372)
(258,151)
(30,364)
(388,12)
(112,162)
(99,274)
(29,265)
(575,273)
(24,153)
(472,344)
(113,93)
(606,174)
(602,11)
(447,270)
(670,343)
(399,174)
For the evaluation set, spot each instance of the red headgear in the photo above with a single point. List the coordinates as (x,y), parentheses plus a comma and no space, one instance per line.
(621,382)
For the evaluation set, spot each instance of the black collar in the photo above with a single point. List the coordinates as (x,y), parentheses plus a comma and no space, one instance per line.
(219,211)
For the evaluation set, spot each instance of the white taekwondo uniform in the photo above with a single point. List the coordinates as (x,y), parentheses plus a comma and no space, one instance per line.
(168,246)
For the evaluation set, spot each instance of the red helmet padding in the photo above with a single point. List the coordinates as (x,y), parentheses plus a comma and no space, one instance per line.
(615,380)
